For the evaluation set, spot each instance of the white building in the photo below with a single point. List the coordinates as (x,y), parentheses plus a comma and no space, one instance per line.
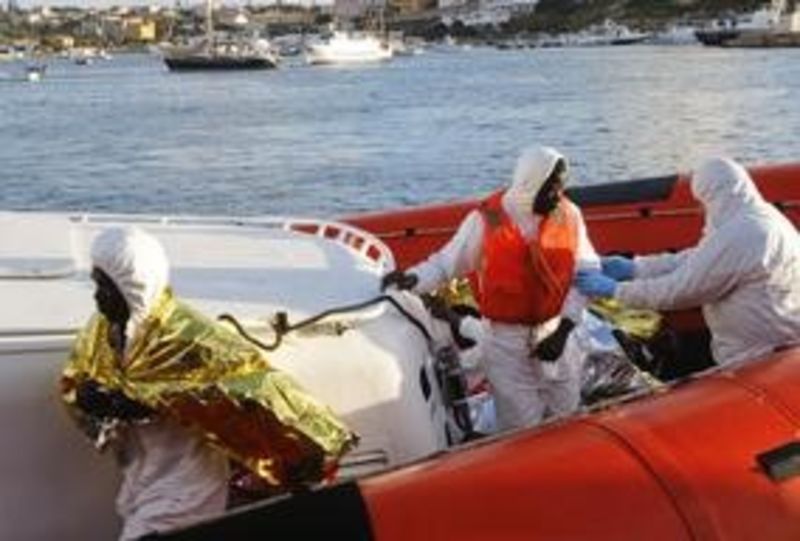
(349,9)
(483,12)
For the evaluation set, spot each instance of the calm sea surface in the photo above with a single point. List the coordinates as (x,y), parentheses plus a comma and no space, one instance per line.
(127,136)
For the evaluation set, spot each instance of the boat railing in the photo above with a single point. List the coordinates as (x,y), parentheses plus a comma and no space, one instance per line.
(365,245)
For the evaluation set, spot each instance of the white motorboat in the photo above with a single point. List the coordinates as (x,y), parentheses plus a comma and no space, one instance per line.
(370,363)
(35,72)
(348,48)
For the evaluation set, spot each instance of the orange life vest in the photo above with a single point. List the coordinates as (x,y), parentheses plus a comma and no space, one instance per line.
(522,281)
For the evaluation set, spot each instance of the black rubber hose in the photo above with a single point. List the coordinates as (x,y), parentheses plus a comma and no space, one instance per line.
(284,328)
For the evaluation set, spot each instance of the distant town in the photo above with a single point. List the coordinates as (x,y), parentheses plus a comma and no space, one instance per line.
(57,29)
(63,28)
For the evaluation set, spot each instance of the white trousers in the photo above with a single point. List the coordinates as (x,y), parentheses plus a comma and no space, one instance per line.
(171,478)
(525,389)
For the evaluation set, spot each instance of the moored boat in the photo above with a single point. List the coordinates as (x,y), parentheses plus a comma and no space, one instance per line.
(776,26)
(215,54)
(218,58)
(348,48)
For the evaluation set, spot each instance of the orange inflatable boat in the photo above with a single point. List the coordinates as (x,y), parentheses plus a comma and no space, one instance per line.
(714,456)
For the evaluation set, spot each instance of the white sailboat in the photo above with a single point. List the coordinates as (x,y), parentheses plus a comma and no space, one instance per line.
(211,53)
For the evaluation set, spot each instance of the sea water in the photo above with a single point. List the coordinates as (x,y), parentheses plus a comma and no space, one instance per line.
(126,135)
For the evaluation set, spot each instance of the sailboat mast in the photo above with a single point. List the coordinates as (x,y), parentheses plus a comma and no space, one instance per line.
(209,22)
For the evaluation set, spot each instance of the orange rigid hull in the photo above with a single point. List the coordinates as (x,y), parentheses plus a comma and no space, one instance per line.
(661,211)
(576,481)
(634,217)
(686,463)
(677,466)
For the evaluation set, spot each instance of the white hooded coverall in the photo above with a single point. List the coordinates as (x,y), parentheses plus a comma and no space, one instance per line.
(524,388)
(745,271)
(171,477)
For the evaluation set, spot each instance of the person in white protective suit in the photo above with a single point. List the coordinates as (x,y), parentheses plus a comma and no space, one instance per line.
(161,384)
(524,245)
(744,272)
(170,476)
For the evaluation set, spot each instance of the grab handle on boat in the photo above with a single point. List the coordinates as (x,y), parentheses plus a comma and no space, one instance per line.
(281,325)
(782,462)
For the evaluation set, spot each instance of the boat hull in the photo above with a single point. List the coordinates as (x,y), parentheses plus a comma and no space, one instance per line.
(661,210)
(205,63)
(688,464)
(322,57)
(748,38)
(764,39)
(716,37)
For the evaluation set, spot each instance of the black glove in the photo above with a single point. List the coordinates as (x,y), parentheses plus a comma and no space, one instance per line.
(104,403)
(441,310)
(399,279)
(438,308)
(551,348)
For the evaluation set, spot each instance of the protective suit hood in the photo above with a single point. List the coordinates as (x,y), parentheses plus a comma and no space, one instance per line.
(533,168)
(137,264)
(726,191)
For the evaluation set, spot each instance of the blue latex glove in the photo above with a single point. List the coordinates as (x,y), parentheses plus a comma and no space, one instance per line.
(617,267)
(593,283)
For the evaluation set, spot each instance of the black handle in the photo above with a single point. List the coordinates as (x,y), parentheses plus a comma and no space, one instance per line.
(781,462)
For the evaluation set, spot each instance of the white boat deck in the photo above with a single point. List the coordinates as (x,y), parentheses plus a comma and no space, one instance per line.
(368,366)
(241,267)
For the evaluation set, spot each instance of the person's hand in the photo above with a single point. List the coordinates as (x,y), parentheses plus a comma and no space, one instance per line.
(399,279)
(104,403)
(92,398)
(593,283)
(617,267)
(551,348)
(439,308)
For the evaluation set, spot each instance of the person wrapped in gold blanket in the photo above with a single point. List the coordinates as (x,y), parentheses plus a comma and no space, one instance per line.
(177,395)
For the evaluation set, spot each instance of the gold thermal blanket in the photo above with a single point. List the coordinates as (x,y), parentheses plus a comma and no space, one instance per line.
(183,365)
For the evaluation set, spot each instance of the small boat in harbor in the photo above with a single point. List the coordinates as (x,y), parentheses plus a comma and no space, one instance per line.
(213,53)
(35,72)
(219,55)
(348,48)
(25,70)
(776,26)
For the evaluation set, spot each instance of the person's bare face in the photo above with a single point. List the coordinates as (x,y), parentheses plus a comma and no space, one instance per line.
(108,298)
(547,199)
